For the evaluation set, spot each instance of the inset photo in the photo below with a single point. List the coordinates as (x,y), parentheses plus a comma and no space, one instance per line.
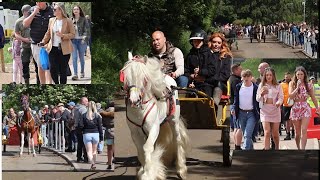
(283,112)
(58,128)
(45,43)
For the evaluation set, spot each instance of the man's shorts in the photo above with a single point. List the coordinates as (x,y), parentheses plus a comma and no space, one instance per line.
(109,142)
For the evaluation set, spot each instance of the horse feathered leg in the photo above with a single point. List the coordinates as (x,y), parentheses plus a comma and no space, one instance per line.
(22,142)
(138,140)
(33,150)
(29,141)
(153,167)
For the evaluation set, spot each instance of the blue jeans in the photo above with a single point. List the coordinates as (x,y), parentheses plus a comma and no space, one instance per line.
(247,123)
(79,48)
(182,81)
(6,130)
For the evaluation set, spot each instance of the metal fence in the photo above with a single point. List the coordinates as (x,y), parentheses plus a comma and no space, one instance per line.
(53,135)
(290,39)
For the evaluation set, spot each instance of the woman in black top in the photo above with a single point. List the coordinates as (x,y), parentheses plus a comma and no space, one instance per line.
(91,125)
(199,65)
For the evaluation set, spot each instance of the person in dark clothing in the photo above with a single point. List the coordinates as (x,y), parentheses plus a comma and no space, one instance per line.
(80,109)
(222,61)
(91,125)
(65,117)
(235,79)
(199,66)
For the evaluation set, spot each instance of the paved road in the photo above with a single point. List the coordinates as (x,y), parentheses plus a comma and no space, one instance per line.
(270,49)
(46,161)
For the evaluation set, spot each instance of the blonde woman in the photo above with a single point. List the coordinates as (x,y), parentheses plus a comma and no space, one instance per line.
(58,43)
(299,90)
(91,125)
(271,95)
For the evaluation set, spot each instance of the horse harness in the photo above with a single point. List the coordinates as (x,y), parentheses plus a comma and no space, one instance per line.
(168,98)
(27,122)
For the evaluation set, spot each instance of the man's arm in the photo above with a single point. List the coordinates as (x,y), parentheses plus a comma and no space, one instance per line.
(179,62)
(27,21)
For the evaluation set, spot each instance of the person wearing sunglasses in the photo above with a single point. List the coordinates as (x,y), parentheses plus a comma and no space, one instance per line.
(57,41)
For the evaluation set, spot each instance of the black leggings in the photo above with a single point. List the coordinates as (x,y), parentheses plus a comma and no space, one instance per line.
(58,65)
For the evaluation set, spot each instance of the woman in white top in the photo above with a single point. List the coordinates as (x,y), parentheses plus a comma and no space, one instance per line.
(270,96)
(58,43)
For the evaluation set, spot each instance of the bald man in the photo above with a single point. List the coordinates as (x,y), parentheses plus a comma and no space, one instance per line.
(261,68)
(80,109)
(170,58)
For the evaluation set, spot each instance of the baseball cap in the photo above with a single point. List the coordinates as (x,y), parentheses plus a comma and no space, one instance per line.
(71,103)
(26,7)
(311,78)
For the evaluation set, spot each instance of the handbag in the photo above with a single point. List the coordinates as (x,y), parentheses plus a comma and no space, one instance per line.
(290,102)
(44,59)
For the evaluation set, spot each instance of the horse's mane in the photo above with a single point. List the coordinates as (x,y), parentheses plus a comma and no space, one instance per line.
(144,68)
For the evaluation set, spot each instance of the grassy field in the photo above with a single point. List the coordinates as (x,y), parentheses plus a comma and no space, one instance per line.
(279,65)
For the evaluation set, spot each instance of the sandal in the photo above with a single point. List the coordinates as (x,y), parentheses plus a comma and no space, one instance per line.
(93,167)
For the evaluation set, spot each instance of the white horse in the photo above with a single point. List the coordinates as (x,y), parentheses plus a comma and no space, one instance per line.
(160,142)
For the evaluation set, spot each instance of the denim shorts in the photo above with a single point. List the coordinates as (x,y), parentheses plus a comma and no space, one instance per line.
(91,138)
(109,142)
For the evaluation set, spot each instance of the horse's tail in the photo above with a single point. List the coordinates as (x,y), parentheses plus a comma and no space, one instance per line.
(183,146)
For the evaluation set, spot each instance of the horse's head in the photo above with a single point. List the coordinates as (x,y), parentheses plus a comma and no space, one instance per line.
(25,102)
(136,78)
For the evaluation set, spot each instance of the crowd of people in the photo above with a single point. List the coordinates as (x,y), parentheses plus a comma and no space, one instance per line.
(260,105)
(263,103)
(50,27)
(87,128)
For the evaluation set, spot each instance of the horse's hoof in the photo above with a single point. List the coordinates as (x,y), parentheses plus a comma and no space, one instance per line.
(34,155)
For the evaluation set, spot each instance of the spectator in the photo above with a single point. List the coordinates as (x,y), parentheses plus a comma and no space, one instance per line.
(80,41)
(299,90)
(222,62)
(9,122)
(91,125)
(246,108)
(170,58)
(235,79)
(286,108)
(108,124)
(65,117)
(38,21)
(73,143)
(58,43)
(199,66)
(15,51)
(23,34)
(271,95)
(316,89)
(2,42)
(80,109)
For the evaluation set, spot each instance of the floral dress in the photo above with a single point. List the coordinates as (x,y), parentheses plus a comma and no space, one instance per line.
(301,109)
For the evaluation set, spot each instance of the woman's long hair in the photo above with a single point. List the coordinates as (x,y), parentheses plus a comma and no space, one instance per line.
(91,110)
(264,77)
(81,12)
(305,78)
(224,46)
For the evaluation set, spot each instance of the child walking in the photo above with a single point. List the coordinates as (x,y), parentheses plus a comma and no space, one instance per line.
(15,51)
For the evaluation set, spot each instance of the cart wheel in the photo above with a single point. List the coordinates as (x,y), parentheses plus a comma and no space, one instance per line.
(227,158)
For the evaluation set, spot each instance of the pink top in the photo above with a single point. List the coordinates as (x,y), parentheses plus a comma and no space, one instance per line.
(302,93)
(16,49)
(275,92)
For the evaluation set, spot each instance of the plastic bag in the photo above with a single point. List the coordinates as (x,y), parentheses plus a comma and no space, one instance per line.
(44,59)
